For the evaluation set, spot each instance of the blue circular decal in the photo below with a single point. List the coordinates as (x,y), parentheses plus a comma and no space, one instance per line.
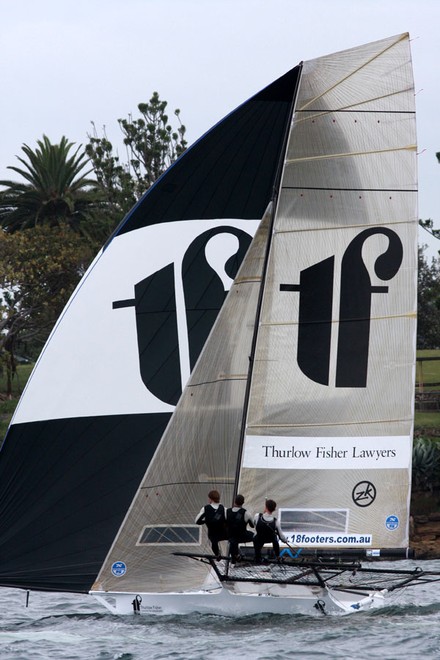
(119,568)
(392,522)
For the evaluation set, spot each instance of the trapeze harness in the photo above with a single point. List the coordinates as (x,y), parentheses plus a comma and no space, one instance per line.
(236,523)
(215,522)
(266,529)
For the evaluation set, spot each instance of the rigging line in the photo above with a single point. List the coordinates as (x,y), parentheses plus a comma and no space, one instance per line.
(248,280)
(275,193)
(404,315)
(225,379)
(291,161)
(338,227)
(220,480)
(359,68)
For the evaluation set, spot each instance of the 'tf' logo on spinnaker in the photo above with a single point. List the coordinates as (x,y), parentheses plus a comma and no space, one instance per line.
(159,312)
(316,304)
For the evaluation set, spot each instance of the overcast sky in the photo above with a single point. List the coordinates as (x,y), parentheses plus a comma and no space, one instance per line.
(65,63)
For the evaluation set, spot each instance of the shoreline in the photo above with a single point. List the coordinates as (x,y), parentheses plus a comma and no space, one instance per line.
(425,535)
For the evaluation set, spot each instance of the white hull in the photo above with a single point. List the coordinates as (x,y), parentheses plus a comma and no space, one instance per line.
(236,601)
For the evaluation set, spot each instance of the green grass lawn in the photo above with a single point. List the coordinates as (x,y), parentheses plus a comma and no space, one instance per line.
(428,380)
(428,371)
(427,374)
(19,381)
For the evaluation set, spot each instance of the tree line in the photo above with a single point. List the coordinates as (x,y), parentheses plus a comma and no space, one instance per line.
(67,203)
(56,216)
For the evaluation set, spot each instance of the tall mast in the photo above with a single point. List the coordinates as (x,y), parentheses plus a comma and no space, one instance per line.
(274,201)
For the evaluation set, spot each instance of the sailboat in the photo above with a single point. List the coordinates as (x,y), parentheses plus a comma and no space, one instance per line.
(249,327)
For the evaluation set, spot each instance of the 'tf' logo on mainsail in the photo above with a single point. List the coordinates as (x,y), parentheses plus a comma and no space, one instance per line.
(316,304)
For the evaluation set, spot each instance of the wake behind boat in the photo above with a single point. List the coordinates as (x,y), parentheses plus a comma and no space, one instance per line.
(251,327)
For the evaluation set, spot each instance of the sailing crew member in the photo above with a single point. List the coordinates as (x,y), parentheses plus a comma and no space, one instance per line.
(213,515)
(237,519)
(268,530)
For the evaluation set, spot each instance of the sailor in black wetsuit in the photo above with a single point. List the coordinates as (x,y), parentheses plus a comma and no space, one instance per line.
(214,516)
(238,519)
(268,530)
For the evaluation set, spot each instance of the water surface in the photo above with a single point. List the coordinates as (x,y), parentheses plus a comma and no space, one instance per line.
(72,627)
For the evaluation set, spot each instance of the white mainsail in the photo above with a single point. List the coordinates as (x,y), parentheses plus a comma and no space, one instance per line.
(329,428)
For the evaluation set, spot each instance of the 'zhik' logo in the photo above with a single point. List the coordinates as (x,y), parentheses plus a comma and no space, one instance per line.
(316,304)
(364,493)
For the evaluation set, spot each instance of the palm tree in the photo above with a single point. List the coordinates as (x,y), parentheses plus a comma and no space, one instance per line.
(57,190)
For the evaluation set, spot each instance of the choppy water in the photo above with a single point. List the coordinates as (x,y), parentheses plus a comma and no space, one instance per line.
(71,627)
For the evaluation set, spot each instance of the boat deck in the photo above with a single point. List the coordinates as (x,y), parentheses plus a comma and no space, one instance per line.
(340,575)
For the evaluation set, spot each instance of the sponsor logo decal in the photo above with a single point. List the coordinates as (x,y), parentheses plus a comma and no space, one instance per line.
(392,523)
(119,568)
(324,538)
(364,493)
(349,453)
